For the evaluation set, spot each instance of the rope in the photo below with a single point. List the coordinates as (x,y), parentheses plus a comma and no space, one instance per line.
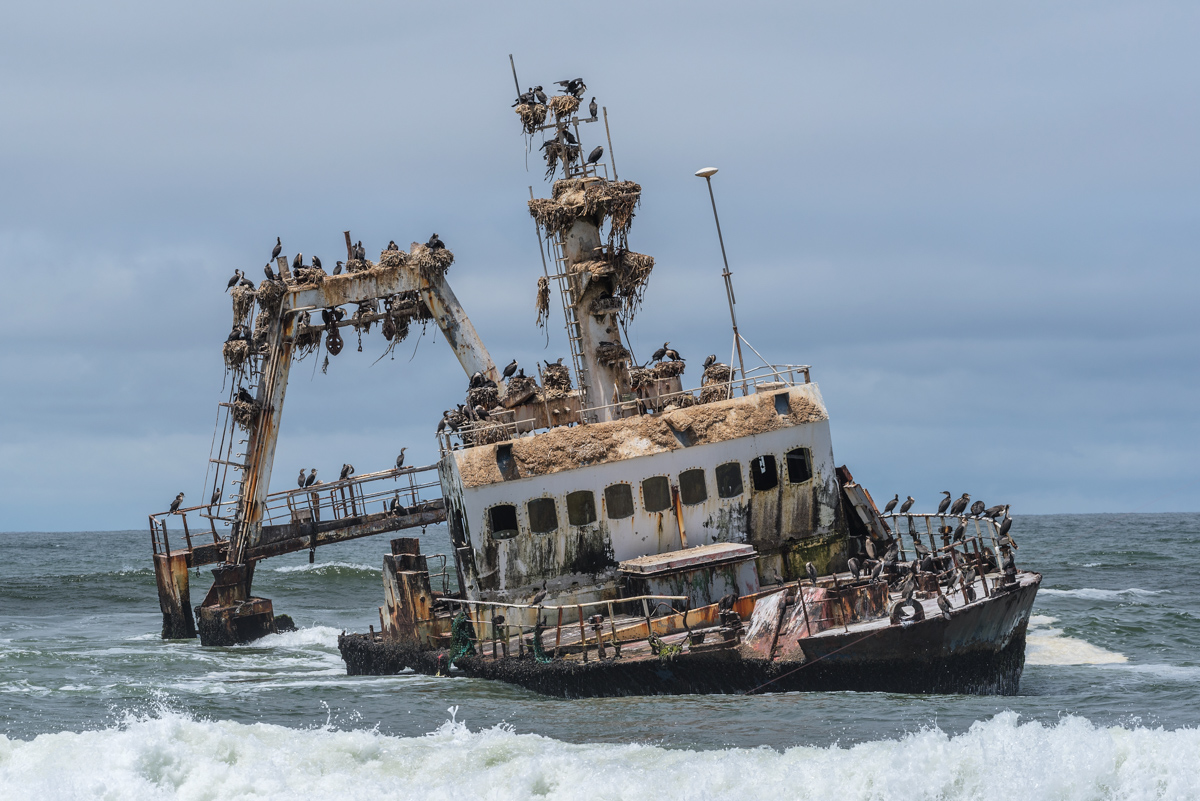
(815,661)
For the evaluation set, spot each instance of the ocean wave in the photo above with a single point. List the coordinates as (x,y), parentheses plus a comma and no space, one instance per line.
(328,568)
(1094,594)
(324,636)
(1046,645)
(172,755)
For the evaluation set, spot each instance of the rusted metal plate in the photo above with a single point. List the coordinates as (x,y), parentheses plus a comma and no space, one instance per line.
(688,557)
(763,628)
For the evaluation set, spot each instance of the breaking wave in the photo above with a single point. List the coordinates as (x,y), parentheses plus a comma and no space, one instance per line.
(329,568)
(1094,594)
(171,755)
(1046,645)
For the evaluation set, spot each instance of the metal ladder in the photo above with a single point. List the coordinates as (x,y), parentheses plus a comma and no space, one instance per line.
(574,332)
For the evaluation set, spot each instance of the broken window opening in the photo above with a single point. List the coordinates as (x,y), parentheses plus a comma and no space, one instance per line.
(581,508)
(763,475)
(503,519)
(691,487)
(618,501)
(799,465)
(656,494)
(729,480)
(543,515)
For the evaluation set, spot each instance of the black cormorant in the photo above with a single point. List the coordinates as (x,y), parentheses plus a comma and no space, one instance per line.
(661,352)
(960,505)
(710,360)
(435,244)
(400,458)
(510,369)
(891,504)
(908,504)
(593,108)
(596,154)
(275,251)
(811,569)
(176,503)
(237,276)
(945,504)
(308,482)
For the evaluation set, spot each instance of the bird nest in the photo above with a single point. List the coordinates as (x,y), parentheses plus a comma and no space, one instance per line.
(714,392)
(486,396)
(244,414)
(236,353)
(632,271)
(309,275)
(681,401)
(571,199)
(270,296)
(718,373)
(395,327)
(563,106)
(556,376)
(639,377)
(308,338)
(611,353)
(262,325)
(484,434)
(520,389)
(543,301)
(668,369)
(532,115)
(432,264)
(243,302)
(359,265)
(393,259)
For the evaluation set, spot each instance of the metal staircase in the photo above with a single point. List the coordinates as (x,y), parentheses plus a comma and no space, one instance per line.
(574,334)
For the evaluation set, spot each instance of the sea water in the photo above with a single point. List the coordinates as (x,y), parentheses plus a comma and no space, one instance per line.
(94,705)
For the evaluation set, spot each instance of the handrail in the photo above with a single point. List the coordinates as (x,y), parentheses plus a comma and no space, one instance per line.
(468,602)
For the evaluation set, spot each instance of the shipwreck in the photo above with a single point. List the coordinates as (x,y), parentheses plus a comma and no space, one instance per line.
(614,531)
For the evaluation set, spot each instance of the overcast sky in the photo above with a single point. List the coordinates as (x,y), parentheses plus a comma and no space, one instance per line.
(977,221)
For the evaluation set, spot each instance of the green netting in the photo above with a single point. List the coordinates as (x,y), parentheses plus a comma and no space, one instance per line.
(462,637)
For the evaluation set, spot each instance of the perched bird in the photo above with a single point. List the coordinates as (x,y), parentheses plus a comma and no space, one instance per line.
(811,569)
(727,601)
(244,396)
(710,360)
(435,244)
(574,86)
(400,459)
(476,380)
(316,262)
(539,95)
(567,136)
(944,604)
(392,245)
(337,268)
(852,566)
(977,508)
(298,262)
(216,497)
(596,154)
(300,479)
(246,282)
(945,503)
(891,504)
(908,504)
(510,369)
(445,421)
(237,276)
(961,532)
(673,355)
(347,471)
(275,251)
(960,505)
(396,507)
(269,272)
(480,412)
(308,482)
(539,596)
(593,108)
(995,511)
(920,548)
(875,571)
(1005,525)
(661,352)
(176,503)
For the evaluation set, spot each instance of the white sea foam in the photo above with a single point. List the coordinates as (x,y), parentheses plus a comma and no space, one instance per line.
(174,756)
(1094,594)
(324,568)
(1046,645)
(325,636)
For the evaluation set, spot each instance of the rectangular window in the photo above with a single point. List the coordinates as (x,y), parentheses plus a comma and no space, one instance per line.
(763,475)
(691,487)
(503,520)
(656,494)
(729,480)
(799,466)
(618,501)
(581,508)
(543,515)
